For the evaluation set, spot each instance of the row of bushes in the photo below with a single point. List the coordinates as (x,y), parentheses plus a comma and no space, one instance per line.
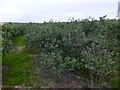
(87,45)
(9,31)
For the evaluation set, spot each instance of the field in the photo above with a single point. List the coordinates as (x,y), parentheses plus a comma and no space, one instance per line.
(76,54)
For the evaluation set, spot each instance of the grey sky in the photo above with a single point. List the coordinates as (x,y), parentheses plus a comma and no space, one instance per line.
(58,10)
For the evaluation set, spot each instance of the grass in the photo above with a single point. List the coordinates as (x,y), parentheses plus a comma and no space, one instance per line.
(116,83)
(20,41)
(19,65)
(20,69)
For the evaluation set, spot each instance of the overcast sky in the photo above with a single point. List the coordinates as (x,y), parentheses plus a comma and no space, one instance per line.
(58,10)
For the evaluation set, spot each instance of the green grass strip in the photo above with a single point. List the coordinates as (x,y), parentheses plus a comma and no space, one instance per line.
(20,41)
(18,65)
